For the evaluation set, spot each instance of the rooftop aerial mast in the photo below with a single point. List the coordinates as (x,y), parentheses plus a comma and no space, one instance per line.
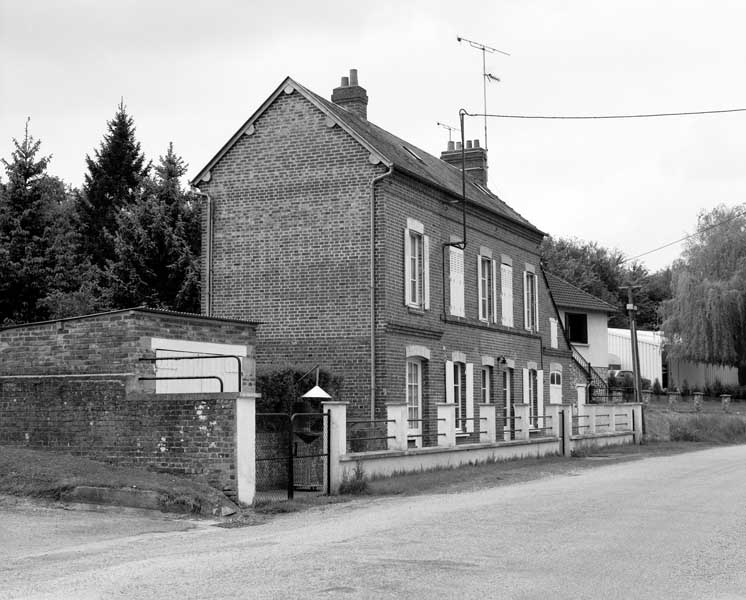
(485,75)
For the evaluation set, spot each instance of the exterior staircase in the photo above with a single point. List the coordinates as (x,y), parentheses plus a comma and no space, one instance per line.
(598,389)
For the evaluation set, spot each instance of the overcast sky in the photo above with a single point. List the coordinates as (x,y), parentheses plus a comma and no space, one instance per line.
(193,72)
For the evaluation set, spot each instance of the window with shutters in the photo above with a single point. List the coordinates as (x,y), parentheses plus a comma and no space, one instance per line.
(456,262)
(416,266)
(533,398)
(507,393)
(486,387)
(506,294)
(530,307)
(487,288)
(460,391)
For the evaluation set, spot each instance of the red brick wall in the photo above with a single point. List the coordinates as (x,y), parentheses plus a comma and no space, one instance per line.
(187,433)
(291,242)
(435,328)
(110,343)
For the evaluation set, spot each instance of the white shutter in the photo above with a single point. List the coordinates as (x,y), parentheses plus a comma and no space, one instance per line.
(470,397)
(506,272)
(525,301)
(426,270)
(482,316)
(457,281)
(540,396)
(407,266)
(449,381)
(536,301)
(494,291)
(553,329)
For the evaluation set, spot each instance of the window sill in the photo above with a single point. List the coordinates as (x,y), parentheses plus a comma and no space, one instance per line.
(580,344)
(415,310)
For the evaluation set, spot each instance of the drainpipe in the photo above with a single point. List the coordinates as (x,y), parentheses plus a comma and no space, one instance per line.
(208,265)
(373,289)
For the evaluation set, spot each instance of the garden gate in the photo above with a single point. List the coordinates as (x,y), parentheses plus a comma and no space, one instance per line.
(292,454)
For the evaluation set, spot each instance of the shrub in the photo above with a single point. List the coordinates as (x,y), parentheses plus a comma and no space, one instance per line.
(645,383)
(685,389)
(356,485)
(281,390)
(657,389)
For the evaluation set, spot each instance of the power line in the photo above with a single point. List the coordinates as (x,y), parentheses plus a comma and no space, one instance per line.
(592,117)
(723,222)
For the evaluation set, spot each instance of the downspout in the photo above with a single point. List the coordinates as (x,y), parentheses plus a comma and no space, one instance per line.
(208,261)
(373,289)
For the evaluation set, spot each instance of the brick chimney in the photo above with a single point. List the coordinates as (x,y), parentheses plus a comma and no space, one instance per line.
(476,159)
(350,96)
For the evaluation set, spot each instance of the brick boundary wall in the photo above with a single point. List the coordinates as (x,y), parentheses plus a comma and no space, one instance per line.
(186,434)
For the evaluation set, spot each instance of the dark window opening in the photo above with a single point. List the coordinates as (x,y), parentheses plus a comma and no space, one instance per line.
(577,327)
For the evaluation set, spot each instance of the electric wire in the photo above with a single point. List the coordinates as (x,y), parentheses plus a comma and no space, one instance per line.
(686,237)
(599,117)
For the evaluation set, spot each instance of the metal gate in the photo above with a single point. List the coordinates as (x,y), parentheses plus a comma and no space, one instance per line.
(292,454)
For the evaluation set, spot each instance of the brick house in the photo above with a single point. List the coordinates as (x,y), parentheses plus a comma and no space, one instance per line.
(349,246)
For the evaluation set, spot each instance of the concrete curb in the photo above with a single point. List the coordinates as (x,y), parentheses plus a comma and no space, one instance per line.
(144,499)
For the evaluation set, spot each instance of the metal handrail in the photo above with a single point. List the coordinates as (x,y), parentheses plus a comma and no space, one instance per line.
(238,360)
(220,381)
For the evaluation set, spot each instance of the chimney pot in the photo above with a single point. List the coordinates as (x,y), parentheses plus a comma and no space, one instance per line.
(353,76)
(345,82)
(476,143)
(451,146)
(458,145)
(468,144)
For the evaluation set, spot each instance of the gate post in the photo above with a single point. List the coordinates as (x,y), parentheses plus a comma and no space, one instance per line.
(338,434)
(396,428)
(246,446)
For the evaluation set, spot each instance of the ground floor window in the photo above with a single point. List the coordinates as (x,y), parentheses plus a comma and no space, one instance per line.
(486,392)
(414,395)
(533,398)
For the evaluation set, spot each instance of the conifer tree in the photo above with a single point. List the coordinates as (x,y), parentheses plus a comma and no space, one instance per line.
(114,181)
(30,226)
(157,244)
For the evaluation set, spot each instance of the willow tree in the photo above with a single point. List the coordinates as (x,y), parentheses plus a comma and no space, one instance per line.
(706,318)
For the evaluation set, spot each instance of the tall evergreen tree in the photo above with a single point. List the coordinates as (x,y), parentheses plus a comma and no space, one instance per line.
(157,244)
(30,226)
(114,181)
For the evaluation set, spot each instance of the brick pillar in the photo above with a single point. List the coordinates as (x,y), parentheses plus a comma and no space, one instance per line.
(396,428)
(246,446)
(338,432)
(446,424)
(581,389)
(487,423)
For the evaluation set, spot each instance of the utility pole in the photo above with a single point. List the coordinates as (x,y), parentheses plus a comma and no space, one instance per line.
(631,311)
(485,75)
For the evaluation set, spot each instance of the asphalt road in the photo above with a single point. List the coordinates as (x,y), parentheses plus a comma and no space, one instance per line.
(665,527)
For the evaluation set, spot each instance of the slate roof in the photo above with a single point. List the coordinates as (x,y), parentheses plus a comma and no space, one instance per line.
(567,295)
(392,150)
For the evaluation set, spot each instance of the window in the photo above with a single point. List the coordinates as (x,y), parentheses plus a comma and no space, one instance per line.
(555,384)
(555,378)
(533,394)
(506,292)
(416,266)
(457,281)
(460,391)
(487,288)
(414,395)
(530,308)
(577,327)
(486,388)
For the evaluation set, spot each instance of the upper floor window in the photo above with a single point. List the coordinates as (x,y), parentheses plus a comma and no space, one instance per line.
(554,329)
(577,327)
(456,263)
(416,266)
(530,304)
(487,286)
(506,295)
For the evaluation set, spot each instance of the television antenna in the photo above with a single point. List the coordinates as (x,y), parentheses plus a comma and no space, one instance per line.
(486,77)
(449,128)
